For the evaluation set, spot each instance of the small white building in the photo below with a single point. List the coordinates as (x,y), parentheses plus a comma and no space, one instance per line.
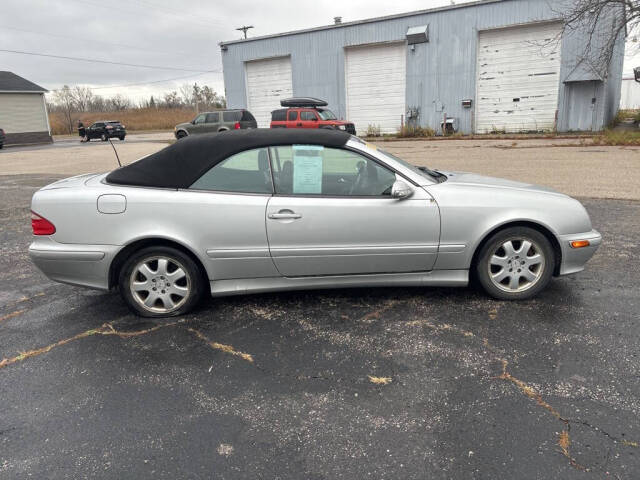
(23,111)
(630,94)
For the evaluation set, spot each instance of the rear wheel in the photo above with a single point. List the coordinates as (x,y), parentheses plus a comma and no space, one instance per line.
(515,264)
(122,138)
(160,282)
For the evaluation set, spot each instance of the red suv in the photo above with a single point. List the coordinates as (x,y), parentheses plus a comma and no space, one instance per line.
(308,113)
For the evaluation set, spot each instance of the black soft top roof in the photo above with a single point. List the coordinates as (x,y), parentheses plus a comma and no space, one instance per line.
(182,163)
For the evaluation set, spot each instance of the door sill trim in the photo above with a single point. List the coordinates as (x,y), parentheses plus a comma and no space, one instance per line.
(241,286)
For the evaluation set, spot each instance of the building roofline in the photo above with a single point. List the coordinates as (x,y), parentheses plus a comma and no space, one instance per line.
(25,91)
(365,21)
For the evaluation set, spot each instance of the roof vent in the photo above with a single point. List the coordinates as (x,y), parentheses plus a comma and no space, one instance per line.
(337,20)
(418,34)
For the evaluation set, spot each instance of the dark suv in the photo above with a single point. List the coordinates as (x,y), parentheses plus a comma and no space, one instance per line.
(2,137)
(308,112)
(106,129)
(219,121)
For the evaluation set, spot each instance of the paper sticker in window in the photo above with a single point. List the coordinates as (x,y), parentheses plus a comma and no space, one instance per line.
(307,169)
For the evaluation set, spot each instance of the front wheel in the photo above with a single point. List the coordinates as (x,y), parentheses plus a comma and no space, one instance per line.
(515,264)
(104,137)
(160,282)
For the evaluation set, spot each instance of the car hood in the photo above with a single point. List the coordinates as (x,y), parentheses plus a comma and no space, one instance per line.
(465,178)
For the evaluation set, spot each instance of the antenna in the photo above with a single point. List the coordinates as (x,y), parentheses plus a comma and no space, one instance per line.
(114,150)
(244,29)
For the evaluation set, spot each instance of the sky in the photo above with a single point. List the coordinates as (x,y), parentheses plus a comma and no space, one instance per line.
(179,37)
(159,33)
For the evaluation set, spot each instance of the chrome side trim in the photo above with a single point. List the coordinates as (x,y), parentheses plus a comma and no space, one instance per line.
(451,248)
(239,253)
(72,255)
(358,250)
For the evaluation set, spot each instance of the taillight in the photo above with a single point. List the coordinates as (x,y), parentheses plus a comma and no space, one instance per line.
(41,226)
(236,126)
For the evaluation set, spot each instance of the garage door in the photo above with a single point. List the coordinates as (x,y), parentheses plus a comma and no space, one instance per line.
(518,79)
(376,78)
(23,112)
(267,82)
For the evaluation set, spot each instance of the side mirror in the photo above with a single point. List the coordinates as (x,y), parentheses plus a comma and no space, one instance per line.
(401,190)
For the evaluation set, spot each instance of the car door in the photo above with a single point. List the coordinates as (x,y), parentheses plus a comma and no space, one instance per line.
(292,119)
(308,119)
(226,207)
(212,123)
(95,130)
(333,214)
(199,124)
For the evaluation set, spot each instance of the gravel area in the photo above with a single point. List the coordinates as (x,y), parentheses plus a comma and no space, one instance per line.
(564,164)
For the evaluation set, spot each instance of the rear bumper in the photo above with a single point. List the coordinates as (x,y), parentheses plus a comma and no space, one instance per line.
(83,265)
(574,259)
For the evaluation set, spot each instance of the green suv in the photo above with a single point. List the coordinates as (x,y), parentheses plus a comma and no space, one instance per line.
(218,121)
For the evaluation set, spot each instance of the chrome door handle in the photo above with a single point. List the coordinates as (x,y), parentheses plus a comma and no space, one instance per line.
(284,216)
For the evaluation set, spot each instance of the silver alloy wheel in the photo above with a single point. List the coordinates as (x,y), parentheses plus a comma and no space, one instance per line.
(160,284)
(516,265)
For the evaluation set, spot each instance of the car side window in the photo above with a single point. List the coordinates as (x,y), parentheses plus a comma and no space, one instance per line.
(244,172)
(317,170)
(292,116)
(200,119)
(213,117)
(307,115)
(231,116)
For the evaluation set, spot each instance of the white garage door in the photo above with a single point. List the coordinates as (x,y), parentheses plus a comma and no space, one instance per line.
(518,78)
(267,82)
(23,112)
(376,79)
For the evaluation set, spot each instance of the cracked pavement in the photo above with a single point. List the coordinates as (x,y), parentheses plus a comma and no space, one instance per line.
(365,383)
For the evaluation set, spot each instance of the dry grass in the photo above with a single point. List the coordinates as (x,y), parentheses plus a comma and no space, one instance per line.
(134,119)
(380,380)
(617,138)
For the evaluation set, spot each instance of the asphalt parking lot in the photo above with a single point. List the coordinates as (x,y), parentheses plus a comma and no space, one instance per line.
(364,383)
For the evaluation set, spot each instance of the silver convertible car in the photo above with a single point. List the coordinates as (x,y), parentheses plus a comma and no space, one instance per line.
(265,210)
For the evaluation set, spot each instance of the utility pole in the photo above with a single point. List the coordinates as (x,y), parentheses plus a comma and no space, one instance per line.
(244,29)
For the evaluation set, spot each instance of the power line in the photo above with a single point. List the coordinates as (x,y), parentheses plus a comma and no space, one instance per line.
(148,83)
(92,40)
(173,14)
(91,60)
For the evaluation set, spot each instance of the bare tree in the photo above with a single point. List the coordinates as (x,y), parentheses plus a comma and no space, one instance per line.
(82,96)
(603,22)
(171,100)
(64,100)
(186,93)
(119,102)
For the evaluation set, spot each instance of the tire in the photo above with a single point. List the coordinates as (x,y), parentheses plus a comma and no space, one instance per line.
(173,293)
(104,137)
(1,145)
(122,138)
(507,272)
(181,134)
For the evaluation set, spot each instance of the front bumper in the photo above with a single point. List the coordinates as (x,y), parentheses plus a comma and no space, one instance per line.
(574,259)
(83,265)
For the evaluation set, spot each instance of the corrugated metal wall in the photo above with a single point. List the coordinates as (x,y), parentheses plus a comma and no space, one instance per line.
(440,74)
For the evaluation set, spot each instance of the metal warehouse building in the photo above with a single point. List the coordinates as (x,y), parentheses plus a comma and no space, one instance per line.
(491,65)
(23,111)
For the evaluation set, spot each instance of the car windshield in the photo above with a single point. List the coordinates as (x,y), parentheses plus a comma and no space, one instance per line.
(326,115)
(423,171)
